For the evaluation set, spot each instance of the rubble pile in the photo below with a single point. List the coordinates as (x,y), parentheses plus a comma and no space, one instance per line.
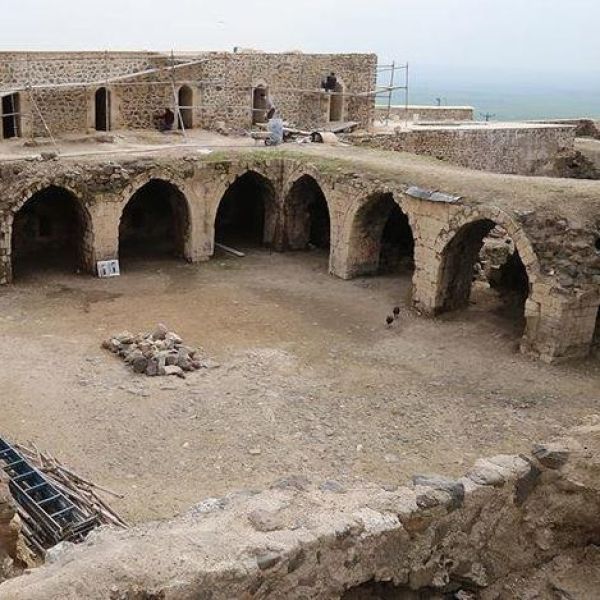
(160,352)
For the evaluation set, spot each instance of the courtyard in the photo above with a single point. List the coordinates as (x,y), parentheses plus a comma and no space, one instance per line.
(305,378)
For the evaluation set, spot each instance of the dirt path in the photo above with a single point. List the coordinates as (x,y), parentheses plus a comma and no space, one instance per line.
(310,381)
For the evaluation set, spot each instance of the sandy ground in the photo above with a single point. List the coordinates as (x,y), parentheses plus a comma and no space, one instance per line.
(310,380)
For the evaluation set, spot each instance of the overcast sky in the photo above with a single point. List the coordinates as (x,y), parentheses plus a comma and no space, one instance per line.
(558,38)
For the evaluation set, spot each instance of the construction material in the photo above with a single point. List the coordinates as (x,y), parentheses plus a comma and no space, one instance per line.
(159,352)
(55,503)
(230,250)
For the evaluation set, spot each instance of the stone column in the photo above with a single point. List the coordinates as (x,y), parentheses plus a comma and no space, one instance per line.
(105,214)
(560,326)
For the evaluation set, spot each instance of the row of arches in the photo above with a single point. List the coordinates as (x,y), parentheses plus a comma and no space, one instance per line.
(54,229)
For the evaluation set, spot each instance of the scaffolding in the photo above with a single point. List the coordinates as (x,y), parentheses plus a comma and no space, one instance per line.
(391,88)
(166,75)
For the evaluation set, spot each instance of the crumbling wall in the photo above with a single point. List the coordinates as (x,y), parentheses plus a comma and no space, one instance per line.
(513,526)
(517,150)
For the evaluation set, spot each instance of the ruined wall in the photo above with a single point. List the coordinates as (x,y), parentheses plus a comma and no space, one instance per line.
(511,527)
(417,113)
(517,150)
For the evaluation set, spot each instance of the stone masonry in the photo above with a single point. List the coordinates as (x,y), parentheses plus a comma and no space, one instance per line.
(556,241)
(521,149)
(418,113)
(512,527)
(220,84)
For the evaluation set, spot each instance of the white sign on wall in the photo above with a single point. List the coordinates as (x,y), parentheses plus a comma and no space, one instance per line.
(108,268)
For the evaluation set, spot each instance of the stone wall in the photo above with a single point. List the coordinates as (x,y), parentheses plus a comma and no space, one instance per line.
(511,527)
(19,69)
(522,150)
(416,113)
(584,127)
(221,85)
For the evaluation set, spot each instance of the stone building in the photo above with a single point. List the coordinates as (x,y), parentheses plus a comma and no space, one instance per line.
(97,210)
(47,93)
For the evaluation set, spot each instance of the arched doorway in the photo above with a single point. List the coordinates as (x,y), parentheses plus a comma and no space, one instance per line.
(381,239)
(51,231)
(102,109)
(11,116)
(336,103)
(155,223)
(307,216)
(246,212)
(259,104)
(185,98)
(481,264)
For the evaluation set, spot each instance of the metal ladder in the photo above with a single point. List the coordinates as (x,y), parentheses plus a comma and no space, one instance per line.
(49,517)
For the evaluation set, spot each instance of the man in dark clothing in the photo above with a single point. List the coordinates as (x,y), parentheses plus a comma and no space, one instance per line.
(166,120)
(330,83)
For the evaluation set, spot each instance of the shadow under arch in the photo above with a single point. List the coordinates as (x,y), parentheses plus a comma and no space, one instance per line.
(381,238)
(483,250)
(155,221)
(307,217)
(246,214)
(51,230)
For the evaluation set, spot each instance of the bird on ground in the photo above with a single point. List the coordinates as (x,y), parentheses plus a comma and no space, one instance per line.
(389,320)
(396,312)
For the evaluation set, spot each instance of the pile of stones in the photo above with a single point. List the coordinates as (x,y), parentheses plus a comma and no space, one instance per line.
(160,352)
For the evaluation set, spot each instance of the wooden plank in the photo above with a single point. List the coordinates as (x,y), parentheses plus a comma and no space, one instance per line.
(230,250)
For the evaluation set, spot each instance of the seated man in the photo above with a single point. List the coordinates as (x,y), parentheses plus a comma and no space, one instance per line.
(166,120)
(330,83)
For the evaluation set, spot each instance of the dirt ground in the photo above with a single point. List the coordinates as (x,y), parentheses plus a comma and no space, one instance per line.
(310,380)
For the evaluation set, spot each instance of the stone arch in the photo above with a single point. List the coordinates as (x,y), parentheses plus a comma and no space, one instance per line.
(306,215)
(102,109)
(49,225)
(185,105)
(458,249)
(260,93)
(246,210)
(156,218)
(368,249)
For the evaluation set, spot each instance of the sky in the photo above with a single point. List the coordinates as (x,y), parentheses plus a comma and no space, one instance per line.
(528,43)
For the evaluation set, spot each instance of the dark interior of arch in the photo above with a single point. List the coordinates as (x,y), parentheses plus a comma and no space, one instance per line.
(308,221)
(596,339)
(242,212)
(386,234)
(483,251)
(154,223)
(49,233)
